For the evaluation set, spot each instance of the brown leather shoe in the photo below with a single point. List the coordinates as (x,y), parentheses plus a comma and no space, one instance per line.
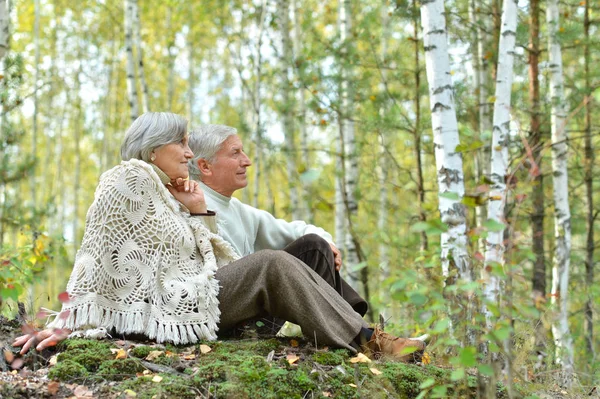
(386,345)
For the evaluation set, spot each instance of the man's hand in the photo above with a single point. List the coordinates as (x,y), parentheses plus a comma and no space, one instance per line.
(43,339)
(337,255)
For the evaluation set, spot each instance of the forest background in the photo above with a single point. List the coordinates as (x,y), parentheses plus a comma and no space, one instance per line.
(335,102)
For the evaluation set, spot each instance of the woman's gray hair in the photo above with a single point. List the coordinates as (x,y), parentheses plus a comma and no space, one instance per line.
(150,131)
(205,141)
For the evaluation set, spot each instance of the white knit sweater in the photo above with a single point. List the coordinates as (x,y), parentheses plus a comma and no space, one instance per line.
(145,265)
(249,229)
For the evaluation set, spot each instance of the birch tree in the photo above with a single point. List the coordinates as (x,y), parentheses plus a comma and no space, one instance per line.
(137,40)
(36,103)
(256,101)
(287,104)
(494,252)
(347,139)
(589,191)
(449,164)
(130,65)
(562,213)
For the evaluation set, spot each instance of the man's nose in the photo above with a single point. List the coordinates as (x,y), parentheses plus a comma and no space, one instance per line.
(246,161)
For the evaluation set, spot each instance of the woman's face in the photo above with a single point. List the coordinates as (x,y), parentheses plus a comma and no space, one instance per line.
(173,159)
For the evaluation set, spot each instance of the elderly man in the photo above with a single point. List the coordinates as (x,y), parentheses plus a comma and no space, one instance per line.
(220,165)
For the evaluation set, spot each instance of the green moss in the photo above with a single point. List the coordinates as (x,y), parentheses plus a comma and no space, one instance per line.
(330,358)
(67,370)
(90,354)
(141,352)
(117,370)
(170,387)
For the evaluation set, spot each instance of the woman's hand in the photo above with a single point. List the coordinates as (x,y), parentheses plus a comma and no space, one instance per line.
(42,339)
(189,193)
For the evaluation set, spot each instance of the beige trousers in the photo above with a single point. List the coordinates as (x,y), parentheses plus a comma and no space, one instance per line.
(275,283)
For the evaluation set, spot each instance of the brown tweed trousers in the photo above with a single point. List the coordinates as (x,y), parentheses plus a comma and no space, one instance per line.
(275,283)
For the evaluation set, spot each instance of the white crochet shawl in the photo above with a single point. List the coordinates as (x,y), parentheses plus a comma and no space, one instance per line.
(145,265)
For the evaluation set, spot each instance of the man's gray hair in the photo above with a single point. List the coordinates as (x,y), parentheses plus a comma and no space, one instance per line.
(205,141)
(150,131)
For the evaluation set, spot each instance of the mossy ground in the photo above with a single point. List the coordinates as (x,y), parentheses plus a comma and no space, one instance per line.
(259,368)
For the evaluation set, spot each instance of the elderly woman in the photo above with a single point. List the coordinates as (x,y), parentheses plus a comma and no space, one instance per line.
(151,262)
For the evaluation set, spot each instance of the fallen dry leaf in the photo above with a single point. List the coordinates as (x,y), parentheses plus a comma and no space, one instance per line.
(170,354)
(17,364)
(191,356)
(292,358)
(146,372)
(81,391)
(294,343)
(375,371)
(426,359)
(157,378)
(121,354)
(360,358)
(326,394)
(353,385)
(53,360)
(205,349)
(129,393)
(9,356)
(154,355)
(53,387)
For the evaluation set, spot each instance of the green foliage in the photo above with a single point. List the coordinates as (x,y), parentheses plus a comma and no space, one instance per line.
(118,370)
(68,370)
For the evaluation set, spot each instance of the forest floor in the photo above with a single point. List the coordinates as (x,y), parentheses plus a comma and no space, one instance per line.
(237,368)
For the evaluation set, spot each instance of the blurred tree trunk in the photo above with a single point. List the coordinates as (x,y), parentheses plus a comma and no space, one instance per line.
(305,212)
(455,258)
(137,39)
(562,214)
(79,126)
(383,167)
(347,139)
(589,191)
(190,43)
(171,56)
(287,108)
(256,101)
(107,139)
(36,103)
(130,66)
(4,47)
(417,130)
(537,195)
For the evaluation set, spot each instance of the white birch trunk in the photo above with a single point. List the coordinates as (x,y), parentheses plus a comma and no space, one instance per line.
(191,66)
(494,252)
(130,65)
(288,106)
(350,166)
(449,163)
(257,105)
(4,31)
(305,212)
(36,103)
(137,38)
(562,214)
(382,217)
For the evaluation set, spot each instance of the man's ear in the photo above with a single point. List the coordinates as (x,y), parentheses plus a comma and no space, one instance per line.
(205,167)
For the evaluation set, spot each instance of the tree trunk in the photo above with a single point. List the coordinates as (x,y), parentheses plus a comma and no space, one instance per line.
(537,195)
(449,165)
(130,66)
(137,39)
(4,46)
(79,126)
(36,103)
(288,107)
(495,247)
(417,130)
(562,214)
(4,31)
(191,65)
(256,100)
(305,212)
(170,60)
(589,191)
(350,165)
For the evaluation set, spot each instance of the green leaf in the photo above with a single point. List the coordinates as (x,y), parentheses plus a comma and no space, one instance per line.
(427,383)
(441,326)
(486,369)
(429,227)
(358,266)
(9,293)
(439,392)
(418,299)
(457,374)
(450,195)
(259,324)
(502,333)
(309,176)
(468,357)
(493,225)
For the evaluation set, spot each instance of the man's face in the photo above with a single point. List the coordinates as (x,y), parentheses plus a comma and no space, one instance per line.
(228,171)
